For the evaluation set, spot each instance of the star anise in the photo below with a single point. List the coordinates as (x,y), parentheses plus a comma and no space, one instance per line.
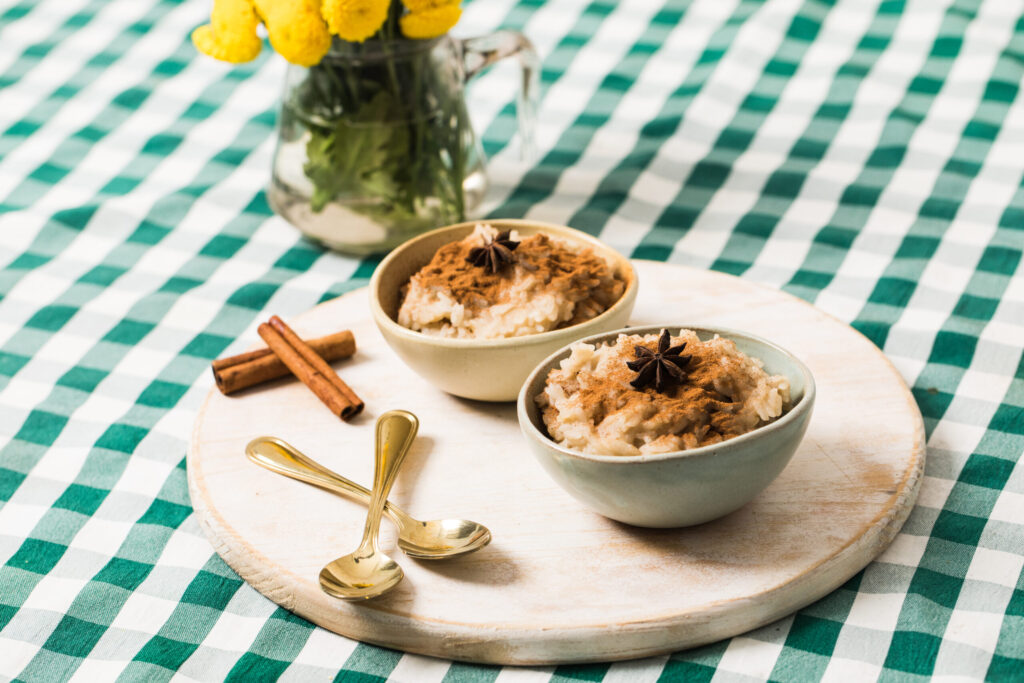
(659,369)
(495,254)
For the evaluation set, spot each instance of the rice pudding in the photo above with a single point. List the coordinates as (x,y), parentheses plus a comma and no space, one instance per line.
(494,285)
(658,394)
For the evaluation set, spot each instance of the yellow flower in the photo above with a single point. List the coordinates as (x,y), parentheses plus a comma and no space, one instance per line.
(355,20)
(231,34)
(296,29)
(430,22)
(424,5)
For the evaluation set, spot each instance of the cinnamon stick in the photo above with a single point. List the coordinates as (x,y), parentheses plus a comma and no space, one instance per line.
(314,372)
(255,367)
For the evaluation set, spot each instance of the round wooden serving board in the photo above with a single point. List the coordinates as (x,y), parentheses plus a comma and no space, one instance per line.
(560,583)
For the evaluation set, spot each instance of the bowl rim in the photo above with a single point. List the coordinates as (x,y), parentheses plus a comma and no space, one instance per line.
(797,412)
(383,319)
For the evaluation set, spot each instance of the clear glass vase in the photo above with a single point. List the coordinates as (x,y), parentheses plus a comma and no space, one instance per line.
(375,144)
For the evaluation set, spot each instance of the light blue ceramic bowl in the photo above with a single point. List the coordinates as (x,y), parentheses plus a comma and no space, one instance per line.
(681,488)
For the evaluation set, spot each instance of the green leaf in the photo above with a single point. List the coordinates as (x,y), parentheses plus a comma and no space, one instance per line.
(360,155)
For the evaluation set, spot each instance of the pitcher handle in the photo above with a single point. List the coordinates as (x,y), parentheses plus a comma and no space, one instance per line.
(481,52)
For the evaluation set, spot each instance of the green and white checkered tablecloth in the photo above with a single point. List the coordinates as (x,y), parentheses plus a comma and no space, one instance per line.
(866,156)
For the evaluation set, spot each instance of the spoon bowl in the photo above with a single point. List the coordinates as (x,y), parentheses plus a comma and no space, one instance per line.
(360,578)
(441,538)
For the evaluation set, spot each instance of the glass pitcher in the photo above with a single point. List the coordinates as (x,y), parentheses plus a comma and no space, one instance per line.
(375,144)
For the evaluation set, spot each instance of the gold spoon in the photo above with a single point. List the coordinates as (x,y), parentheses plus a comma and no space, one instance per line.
(437,539)
(367,572)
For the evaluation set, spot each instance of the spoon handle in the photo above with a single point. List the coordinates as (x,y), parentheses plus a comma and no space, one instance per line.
(396,430)
(282,458)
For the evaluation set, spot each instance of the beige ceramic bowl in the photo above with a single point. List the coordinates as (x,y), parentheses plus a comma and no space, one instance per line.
(681,488)
(482,369)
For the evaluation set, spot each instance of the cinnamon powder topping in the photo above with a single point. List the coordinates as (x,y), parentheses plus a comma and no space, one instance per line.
(696,399)
(590,402)
(573,272)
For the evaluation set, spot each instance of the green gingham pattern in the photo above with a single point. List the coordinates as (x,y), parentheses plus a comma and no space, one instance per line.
(866,156)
